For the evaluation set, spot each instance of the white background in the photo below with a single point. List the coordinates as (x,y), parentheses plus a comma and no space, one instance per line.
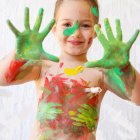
(119,119)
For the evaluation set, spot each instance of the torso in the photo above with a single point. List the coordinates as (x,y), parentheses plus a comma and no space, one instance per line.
(65,111)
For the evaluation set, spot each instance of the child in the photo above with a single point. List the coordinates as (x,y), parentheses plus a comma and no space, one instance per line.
(68,104)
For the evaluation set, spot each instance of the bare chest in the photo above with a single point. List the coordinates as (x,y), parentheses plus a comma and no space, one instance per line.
(65,104)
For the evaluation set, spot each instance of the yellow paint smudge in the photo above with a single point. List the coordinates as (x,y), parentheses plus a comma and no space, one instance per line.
(75,71)
(72,113)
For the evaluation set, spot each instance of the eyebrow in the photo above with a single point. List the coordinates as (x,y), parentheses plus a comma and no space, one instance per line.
(80,20)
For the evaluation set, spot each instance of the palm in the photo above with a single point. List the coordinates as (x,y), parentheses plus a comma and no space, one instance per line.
(29,42)
(116,52)
(29,46)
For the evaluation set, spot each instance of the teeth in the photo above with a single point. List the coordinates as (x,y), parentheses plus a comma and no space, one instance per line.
(93,90)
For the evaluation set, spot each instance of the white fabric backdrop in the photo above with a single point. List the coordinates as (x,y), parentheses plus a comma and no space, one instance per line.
(119,119)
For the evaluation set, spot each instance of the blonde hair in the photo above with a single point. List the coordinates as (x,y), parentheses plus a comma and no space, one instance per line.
(93,3)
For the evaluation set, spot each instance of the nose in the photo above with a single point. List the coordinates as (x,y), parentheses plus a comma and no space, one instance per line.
(77,33)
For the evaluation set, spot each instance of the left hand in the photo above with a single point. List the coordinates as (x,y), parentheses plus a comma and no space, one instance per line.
(116,52)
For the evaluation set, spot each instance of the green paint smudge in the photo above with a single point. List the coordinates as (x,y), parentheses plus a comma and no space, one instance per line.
(47,111)
(116,81)
(118,71)
(95,11)
(86,117)
(70,31)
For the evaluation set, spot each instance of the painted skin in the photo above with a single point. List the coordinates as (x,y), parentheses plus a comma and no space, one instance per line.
(29,49)
(29,42)
(95,11)
(69,109)
(58,102)
(113,61)
(70,31)
(113,44)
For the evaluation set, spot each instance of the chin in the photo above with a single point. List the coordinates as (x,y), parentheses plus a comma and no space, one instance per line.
(76,53)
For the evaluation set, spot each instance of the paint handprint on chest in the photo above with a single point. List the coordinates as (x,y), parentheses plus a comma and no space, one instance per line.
(66,105)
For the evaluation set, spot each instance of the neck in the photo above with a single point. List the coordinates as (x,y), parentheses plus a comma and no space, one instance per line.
(73,59)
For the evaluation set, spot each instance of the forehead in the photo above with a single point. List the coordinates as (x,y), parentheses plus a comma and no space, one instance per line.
(74,9)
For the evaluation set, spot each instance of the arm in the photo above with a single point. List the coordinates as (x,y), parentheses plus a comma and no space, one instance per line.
(13,71)
(120,76)
(131,78)
(22,64)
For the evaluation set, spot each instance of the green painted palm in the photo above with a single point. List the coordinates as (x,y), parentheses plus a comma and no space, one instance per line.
(87,116)
(116,52)
(116,56)
(29,42)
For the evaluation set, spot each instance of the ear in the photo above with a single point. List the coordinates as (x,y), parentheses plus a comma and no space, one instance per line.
(94,34)
(54,29)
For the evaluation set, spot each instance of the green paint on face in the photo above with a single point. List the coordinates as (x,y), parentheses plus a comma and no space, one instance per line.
(95,11)
(70,31)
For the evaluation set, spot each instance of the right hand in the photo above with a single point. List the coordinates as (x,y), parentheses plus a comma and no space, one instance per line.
(29,42)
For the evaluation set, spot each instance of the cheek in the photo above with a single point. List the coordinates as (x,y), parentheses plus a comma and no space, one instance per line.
(89,37)
(90,40)
(61,35)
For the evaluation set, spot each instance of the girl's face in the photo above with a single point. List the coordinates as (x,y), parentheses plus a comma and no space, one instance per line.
(68,13)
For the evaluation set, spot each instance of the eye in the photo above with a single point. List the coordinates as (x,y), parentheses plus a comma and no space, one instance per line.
(86,25)
(67,25)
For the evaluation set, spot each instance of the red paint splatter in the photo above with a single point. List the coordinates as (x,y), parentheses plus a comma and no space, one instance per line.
(71,98)
(61,65)
(13,70)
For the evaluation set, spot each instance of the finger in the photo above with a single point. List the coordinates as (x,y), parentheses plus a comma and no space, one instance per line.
(132,39)
(99,63)
(108,30)
(26,19)
(46,55)
(101,37)
(38,20)
(118,30)
(13,28)
(47,29)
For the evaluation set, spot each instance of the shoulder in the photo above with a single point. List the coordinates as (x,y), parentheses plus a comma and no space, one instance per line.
(97,76)
(94,73)
(48,66)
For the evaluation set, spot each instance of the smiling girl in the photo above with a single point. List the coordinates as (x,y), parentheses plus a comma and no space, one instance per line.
(68,104)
